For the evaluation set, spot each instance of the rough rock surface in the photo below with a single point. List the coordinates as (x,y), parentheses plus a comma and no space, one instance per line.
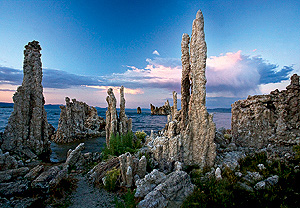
(163,110)
(169,193)
(28,131)
(115,124)
(263,119)
(77,121)
(189,135)
(131,168)
(139,110)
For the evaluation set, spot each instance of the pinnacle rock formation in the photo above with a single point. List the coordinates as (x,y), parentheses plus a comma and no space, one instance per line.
(78,121)
(28,132)
(115,124)
(163,110)
(139,110)
(189,135)
(261,120)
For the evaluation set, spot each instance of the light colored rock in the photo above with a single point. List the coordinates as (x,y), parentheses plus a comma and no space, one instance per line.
(218,174)
(43,180)
(189,137)
(267,183)
(261,167)
(149,182)
(28,131)
(77,121)
(172,192)
(129,177)
(74,156)
(252,177)
(174,107)
(178,166)
(163,110)
(142,166)
(263,119)
(113,127)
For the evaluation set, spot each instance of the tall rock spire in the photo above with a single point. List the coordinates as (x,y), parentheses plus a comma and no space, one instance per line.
(201,126)
(28,132)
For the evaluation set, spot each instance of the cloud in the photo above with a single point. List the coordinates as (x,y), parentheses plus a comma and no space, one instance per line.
(155,53)
(234,74)
(228,75)
(117,89)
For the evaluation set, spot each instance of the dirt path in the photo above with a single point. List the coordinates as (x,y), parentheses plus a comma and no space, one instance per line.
(86,195)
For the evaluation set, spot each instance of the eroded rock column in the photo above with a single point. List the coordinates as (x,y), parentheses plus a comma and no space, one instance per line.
(27,132)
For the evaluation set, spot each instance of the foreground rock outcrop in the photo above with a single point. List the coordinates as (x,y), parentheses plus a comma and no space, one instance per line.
(78,121)
(115,124)
(261,120)
(164,191)
(28,132)
(163,110)
(189,135)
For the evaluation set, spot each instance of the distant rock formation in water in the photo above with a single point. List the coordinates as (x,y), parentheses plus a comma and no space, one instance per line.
(263,119)
(28,132)
(163,110)
(115,125)
(189,135)
(78,121)
(139,110)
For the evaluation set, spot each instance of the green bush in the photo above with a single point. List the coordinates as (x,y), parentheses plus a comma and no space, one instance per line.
(111,179)
(140,135)
(127,200)
(120,144)
(227,192)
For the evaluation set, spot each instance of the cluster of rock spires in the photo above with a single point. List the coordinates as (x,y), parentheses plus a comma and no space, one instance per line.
(28,132)
(263,119)
(78,121)
(189,136)
(114,124)
(163,110)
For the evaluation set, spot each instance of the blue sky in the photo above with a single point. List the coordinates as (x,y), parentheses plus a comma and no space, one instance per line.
(87,46)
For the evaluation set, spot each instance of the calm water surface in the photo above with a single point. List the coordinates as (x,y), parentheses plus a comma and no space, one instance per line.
(144,121)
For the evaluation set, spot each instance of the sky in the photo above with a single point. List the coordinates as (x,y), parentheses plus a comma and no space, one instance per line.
(90,46)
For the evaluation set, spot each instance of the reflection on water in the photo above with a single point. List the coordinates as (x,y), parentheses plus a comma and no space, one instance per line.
(144,121)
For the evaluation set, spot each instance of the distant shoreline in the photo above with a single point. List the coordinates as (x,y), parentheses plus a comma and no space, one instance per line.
(218,110)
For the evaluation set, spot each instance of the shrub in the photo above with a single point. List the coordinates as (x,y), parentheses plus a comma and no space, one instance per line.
(140,135)
(127,200)
(111,179)
(120,144)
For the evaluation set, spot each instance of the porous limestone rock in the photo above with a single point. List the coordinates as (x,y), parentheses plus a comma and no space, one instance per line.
(131,168)
(189,137)
(163,110)
(264,119)
(174,107)
(114,124)
(111,115)
(34,172)
(149,182)
(77,121)
(170,193)
(28,131)
(139,110)
(75,156)
(267,183)
(7,175)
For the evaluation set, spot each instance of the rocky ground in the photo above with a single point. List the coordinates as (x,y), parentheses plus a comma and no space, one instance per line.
(86,195)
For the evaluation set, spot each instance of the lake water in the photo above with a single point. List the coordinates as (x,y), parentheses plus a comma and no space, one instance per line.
(144,121)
